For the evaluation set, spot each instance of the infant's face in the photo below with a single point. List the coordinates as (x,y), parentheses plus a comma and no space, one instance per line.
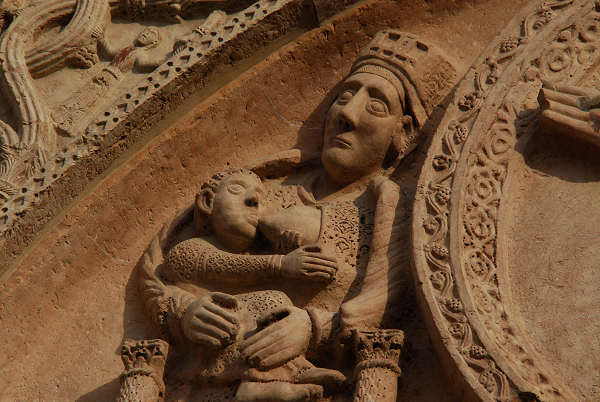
(237,206)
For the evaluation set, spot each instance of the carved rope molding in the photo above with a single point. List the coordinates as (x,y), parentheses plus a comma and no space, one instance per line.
(16,56)
(36,135)
(460,275)
(88,22)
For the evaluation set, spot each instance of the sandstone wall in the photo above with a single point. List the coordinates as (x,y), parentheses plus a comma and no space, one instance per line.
(70,300)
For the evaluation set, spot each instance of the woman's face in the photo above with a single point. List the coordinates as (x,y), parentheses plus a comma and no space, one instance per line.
(360,126)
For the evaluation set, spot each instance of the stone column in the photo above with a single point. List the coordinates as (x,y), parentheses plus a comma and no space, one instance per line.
(144,363)
(377,370)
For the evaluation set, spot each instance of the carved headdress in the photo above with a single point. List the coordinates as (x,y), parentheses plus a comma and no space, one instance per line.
(420,72)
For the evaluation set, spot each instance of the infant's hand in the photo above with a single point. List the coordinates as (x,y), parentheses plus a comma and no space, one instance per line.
(211,320)
(289,240)
(309,262)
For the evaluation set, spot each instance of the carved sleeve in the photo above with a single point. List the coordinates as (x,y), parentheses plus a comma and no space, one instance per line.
(164,303)
(381,285)
(105,50)
(196,261)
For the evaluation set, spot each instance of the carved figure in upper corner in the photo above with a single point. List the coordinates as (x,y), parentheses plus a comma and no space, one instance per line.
(214,20)
(134,57)
(227,213)
(70,116)
(383,104)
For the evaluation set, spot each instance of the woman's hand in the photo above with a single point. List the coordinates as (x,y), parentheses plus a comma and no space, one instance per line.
(285,334)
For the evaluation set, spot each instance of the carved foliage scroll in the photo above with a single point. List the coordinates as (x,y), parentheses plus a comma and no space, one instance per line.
(458,233)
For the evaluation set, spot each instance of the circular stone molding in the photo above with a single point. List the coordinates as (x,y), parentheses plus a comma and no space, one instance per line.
(460,235)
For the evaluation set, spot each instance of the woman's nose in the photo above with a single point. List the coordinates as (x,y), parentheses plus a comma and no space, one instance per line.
(350,113)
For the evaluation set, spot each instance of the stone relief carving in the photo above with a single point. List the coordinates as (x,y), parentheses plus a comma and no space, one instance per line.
(377,353)
(144,363)
(282,272)
(572,110)
(459,260)
(46,135)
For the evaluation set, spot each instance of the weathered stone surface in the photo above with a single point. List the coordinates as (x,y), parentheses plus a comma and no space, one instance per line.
(503,223)
(221,295)
(71,299)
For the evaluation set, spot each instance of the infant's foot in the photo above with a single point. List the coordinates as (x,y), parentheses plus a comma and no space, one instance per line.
(278,391)
(326,377)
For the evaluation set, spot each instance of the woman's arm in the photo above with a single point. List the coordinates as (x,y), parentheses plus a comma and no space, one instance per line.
(105,50)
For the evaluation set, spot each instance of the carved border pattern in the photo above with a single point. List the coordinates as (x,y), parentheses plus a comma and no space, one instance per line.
(485,174)
(196,53)
(569,56)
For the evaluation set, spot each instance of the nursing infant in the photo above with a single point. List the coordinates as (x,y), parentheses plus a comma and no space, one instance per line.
(228,213)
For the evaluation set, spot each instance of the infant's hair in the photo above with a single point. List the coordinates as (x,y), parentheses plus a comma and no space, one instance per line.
(209,189)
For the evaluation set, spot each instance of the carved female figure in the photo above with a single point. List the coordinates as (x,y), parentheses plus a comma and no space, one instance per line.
(394,85)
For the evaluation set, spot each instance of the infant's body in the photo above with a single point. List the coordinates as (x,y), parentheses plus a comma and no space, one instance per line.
(228,211)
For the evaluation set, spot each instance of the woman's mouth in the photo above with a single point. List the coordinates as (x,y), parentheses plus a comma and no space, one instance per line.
(341,142)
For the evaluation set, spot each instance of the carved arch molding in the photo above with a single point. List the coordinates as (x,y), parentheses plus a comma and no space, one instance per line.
(473,200)
(461,214)
(127,87)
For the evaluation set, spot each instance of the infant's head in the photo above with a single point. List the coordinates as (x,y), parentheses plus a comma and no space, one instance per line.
(229,205)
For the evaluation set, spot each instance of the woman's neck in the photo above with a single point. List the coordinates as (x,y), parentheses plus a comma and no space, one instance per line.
(325,189)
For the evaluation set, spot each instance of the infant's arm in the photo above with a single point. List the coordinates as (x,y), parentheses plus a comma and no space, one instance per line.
(196,261)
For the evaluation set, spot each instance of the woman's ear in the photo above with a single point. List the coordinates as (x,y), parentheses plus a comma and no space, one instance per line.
(404,134)
(204,201)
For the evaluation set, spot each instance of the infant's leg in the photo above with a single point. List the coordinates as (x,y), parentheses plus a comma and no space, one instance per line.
(297,379)
(278,391)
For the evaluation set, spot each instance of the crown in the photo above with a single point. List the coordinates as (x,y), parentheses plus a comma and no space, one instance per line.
(425,72)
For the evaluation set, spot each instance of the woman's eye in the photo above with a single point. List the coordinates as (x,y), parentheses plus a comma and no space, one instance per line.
(235,188)
(377,107)
(345,97)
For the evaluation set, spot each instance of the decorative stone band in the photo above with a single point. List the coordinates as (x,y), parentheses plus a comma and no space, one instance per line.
(464,287)
(376,374)
(144,363)
(31,160)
